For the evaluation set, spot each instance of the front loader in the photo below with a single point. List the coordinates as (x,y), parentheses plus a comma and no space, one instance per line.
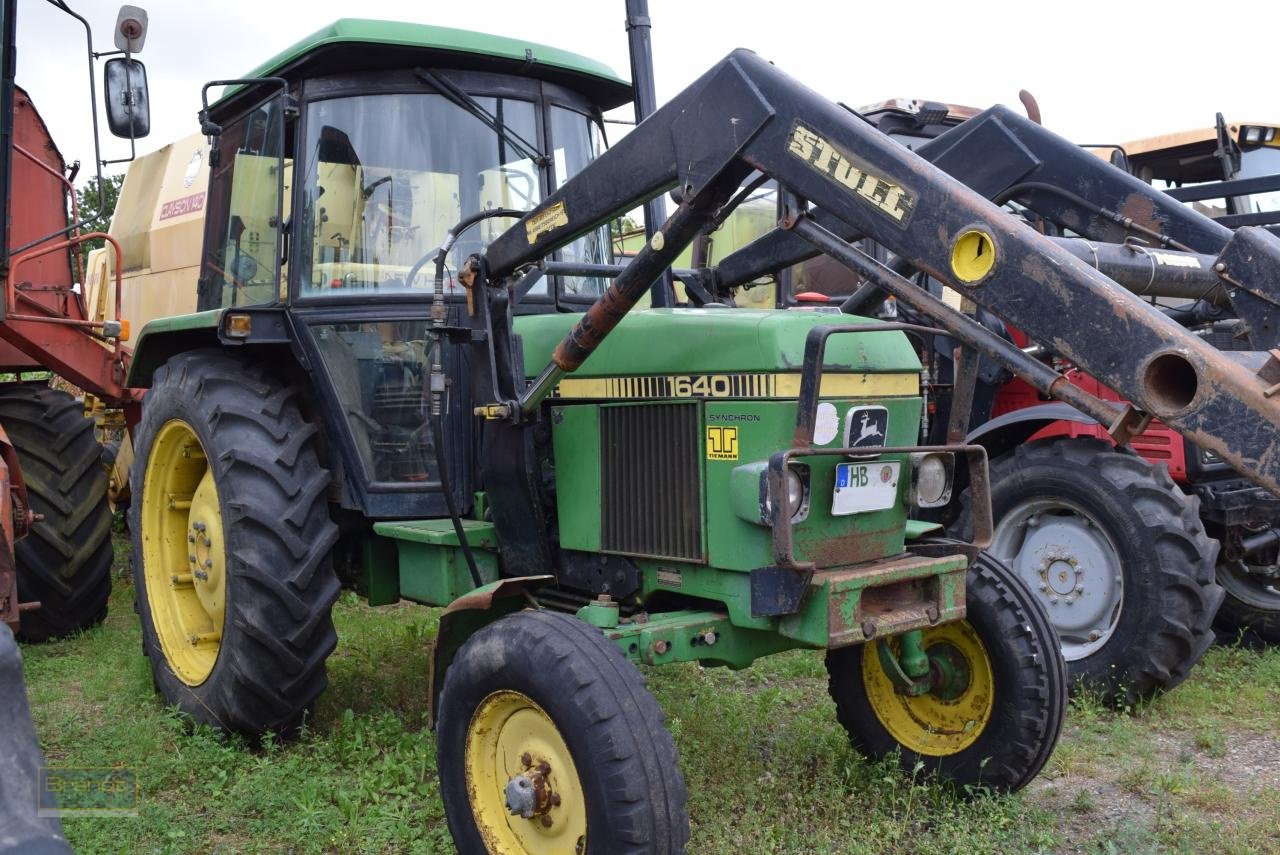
(1121,551)
(410,373)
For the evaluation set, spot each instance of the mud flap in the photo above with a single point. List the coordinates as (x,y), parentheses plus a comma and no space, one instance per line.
(467,614)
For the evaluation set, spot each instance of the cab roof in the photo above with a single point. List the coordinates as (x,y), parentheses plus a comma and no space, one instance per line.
(331,49)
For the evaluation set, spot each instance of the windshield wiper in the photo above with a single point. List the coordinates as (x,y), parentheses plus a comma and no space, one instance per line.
(466,102)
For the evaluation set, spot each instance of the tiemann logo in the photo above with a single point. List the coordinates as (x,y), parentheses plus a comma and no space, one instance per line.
(888,198)
(722,443)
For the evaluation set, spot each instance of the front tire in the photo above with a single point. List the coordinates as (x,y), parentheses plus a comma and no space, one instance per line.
(996,727)
(64,562)
(231,545)
(542,702)
(1118,556)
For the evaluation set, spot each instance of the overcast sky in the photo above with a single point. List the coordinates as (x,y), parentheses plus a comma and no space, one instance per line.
(1102,71)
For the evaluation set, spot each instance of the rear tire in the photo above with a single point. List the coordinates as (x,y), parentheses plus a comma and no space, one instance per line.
(64,562)
(1001,729)
(612,763)
(231,544)
(1118,527)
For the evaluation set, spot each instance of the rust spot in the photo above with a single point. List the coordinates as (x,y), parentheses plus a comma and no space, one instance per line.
(1142,211)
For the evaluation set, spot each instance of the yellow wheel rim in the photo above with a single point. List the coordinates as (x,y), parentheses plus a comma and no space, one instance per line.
(510,737)
(183,556)
(929,724)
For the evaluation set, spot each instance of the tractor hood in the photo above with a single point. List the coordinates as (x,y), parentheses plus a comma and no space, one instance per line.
(705,341)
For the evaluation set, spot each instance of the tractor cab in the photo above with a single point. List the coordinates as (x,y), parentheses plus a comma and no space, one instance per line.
(339,167)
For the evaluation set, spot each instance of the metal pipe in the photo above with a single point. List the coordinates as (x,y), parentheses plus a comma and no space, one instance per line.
(640,48)
(575,268)
(1152,272)
(961,326)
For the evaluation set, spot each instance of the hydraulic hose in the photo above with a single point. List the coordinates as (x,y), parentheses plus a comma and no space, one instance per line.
(435,421)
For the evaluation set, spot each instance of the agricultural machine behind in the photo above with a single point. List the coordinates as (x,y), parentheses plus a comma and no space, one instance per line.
(55,548)
(56,519)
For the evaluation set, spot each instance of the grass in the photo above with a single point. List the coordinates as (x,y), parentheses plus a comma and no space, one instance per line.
(767,766)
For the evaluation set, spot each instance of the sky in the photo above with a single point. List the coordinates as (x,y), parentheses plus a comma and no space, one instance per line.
(1103,72)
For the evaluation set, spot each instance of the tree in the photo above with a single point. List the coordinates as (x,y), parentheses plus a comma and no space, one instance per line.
(90,205)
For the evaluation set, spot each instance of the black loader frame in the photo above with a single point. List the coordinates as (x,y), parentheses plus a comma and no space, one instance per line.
(745,116)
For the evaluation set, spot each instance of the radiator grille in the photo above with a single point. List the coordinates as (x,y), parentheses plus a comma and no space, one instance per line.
(650,480)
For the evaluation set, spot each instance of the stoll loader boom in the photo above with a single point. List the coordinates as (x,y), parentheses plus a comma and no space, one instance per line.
(362,404)
(1144,559)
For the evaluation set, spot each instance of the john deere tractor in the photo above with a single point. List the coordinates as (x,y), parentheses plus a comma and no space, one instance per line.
(413,372)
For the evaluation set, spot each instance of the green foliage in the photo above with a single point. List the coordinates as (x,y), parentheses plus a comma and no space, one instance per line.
(87,198)
(768,768)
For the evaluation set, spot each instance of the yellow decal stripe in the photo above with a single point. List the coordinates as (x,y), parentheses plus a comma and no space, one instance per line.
(737,386)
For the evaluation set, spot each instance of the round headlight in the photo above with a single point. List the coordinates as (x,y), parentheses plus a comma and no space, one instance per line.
(795,492)
(931,481)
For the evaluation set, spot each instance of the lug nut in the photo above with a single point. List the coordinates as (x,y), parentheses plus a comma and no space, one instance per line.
(191,538)
(546,821)
(526,760)
(709,637)
(660,647)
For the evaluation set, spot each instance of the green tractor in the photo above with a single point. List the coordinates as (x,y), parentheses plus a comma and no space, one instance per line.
(361,401)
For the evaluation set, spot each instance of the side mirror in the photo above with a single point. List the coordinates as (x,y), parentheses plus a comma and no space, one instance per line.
(128,105)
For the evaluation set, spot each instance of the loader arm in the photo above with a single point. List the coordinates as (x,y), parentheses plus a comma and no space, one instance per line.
(1006,157)
(745,115)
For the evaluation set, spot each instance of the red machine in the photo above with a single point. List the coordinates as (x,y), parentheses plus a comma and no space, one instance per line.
(55,520)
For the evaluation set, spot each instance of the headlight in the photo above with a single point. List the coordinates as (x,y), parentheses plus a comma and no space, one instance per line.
(797,492)
(749,492)
(932,474)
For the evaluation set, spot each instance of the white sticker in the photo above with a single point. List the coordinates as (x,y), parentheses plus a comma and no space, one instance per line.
(827,425)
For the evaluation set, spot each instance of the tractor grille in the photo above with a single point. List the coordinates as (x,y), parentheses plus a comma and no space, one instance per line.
(650,475)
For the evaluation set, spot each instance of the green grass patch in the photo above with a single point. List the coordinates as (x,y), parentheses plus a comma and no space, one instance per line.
(767,766)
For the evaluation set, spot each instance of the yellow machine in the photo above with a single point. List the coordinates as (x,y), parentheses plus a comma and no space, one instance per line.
(1186,163)
(159,224)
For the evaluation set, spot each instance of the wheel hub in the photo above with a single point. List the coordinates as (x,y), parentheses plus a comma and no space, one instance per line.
(524,789)
(184,564)
(955,710)
(529,794)
(1067,559)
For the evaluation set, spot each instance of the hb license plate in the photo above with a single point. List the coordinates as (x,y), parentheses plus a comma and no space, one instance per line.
(862,487)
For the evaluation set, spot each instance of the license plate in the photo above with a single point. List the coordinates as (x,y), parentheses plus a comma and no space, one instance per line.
(862,487)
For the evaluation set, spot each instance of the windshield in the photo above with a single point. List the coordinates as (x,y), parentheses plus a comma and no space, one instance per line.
(388,176)
(1256,163)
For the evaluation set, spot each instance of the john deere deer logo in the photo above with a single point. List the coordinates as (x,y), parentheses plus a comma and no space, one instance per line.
(865,427)
(869,429)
